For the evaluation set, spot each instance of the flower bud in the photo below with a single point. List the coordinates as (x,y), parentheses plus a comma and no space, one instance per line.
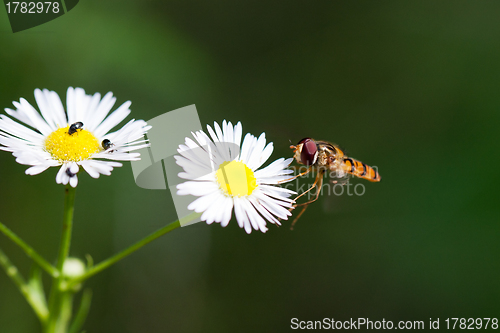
(73,267)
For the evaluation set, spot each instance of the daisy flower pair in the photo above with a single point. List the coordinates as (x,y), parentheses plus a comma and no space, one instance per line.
(220,170)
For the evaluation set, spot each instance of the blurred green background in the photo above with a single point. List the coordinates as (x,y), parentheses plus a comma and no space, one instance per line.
(411,87)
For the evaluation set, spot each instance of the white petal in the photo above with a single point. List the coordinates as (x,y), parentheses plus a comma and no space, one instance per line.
(274,180)
(29,157)
(228,131)
(188,160)
(21,116)
(255,219)
(82,104)
(212,134)
(273,169)
(73,181)
(73,168)
(90,170)
(239,213)
(35,170)
(23,132)
(57,108)
(132,131)
(228,209)
(114,119)
(275,209)
(60,174)
(254,157)
(117,156)
(277,192)
(89,118)
(237,133)
(210,215)
(257,161)
(202,203)
(102,111)
(34,116)
(102,167)
(71,105)
(221,145)
(219,207)
(198,156)
(196,188)
(264,212)
(269,197)
(247,147)
(45,108)
(218,130)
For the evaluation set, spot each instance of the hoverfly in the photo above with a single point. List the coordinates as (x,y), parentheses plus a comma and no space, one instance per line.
(323,156)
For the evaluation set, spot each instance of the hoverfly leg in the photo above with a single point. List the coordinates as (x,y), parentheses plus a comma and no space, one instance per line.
(301,174)
(309,169)
(297,218)
(318,177)
(318,184)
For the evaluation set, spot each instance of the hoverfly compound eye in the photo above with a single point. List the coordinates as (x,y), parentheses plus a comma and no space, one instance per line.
(303,140)
(309,151)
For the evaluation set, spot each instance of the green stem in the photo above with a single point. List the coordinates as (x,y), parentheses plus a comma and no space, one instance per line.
(131,249)
(12,272)
(30,252)
(69,208)
(59,300)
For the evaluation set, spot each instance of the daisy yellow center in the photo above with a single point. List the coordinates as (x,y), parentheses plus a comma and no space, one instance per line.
(236,179)
(75,147)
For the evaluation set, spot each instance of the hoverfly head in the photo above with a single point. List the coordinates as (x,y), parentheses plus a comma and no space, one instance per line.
(306,151)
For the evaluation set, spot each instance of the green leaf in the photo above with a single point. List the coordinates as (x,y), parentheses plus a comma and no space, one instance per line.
(35,287)
(82,313)
(90,261)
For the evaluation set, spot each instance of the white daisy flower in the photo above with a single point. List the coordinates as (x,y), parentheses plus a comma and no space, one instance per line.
(79,137)
(224,176)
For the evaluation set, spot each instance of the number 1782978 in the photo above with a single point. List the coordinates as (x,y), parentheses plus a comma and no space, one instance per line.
(471,323)
(33,7)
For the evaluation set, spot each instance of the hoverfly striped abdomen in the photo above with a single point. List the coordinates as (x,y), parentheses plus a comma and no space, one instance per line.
(360,169)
